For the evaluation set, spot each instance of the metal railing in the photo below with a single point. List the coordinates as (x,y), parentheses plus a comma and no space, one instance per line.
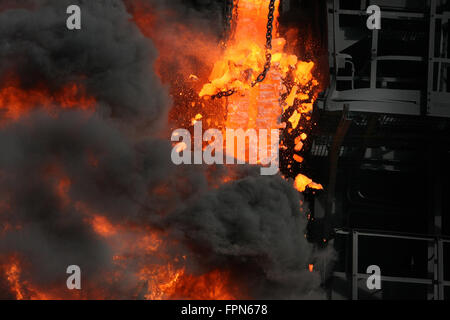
(437,281)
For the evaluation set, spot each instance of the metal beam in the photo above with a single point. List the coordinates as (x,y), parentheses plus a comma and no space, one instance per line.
(384,14)
(431,55)
(336,145)
(355,265)
(374,55)
(342,275)
(394,235)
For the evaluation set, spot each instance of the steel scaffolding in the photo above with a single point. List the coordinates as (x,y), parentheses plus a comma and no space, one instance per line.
(437,279)
(379,93)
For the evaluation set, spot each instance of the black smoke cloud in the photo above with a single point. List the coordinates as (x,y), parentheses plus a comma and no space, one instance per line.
(109,56)
(252,226)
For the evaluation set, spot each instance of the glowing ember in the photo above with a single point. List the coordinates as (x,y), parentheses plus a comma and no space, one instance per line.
(302,182)
(102,226)
(298,158)
(197,118)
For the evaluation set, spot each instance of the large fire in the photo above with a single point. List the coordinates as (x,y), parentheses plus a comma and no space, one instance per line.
(161,280)
(289,90)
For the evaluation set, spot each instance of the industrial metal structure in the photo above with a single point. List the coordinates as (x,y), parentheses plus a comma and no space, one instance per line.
(382,145)
(387,70)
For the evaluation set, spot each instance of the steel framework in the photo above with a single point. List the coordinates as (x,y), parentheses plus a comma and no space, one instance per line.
(437,279)
(378,95)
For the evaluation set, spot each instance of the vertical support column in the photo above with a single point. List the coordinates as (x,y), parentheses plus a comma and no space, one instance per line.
(355,266)
(444,53)
(440,269)
(374,64)
(431,54)
(338,139)
(435,198)
(438,199)
(335,30)
(333,10)
(434,267)
(441,54)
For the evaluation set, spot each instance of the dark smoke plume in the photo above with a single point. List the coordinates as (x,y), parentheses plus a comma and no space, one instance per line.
(252,226)
(109,56)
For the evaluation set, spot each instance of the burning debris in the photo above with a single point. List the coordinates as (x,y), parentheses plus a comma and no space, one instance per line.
(286,86)
(230,149)
(86,176)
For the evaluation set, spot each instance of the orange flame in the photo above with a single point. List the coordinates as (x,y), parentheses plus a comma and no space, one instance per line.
(261,106)
(21,289)
(16,101)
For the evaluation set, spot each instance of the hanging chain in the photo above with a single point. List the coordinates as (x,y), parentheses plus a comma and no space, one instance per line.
(223,94)
(262,76)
